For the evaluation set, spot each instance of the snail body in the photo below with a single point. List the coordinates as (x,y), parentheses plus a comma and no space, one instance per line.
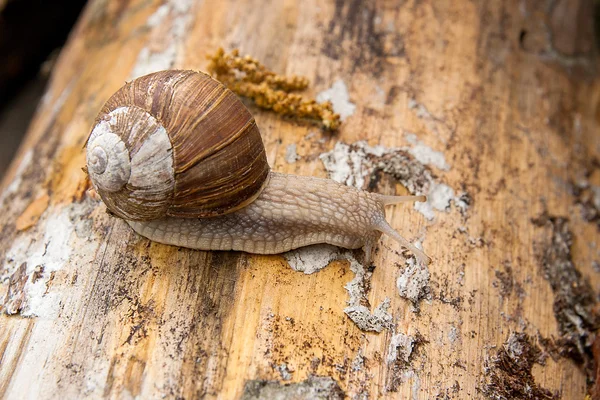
(180,158)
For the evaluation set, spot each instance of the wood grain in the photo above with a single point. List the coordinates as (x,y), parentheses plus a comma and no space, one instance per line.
(508,92)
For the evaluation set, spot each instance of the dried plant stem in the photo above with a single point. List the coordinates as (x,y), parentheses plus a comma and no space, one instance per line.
(249,78)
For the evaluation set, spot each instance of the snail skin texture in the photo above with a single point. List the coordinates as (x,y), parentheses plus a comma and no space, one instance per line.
(180,158)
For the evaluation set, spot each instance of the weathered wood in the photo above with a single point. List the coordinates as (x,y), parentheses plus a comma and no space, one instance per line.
(507,93)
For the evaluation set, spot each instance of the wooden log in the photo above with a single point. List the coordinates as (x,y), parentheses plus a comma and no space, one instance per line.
(492,108)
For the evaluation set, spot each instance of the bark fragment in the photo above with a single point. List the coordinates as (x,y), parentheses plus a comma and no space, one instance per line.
(315,387)
(508,373)
(574,299)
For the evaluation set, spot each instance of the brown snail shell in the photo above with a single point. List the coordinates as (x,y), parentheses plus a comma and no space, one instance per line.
(175,143)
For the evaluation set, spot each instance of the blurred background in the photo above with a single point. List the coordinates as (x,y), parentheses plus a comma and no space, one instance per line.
(32,33)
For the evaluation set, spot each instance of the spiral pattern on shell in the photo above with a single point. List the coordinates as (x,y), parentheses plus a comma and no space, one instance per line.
(175,143)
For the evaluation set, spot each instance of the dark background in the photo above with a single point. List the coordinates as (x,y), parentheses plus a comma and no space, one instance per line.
(31,35)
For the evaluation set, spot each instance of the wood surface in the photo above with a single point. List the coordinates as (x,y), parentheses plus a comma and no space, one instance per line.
(508,92)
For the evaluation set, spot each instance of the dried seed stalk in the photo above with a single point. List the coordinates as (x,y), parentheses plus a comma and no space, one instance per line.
(249,78)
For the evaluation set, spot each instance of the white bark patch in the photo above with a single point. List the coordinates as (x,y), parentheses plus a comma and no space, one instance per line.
(55,250)
(339,98)
(426,154)
(51,252)
(178,14)
(413,282)
(401,348)
(439,197)
(353,164)
(158,16)
(311,259)
(149,61)
(38,303)
(400,352)
(43,257)
(359,361)
(363,318)
(284,371)
(16,182)
(370,322)
(291,156)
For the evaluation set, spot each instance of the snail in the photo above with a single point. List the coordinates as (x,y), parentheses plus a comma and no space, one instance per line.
(179,157)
